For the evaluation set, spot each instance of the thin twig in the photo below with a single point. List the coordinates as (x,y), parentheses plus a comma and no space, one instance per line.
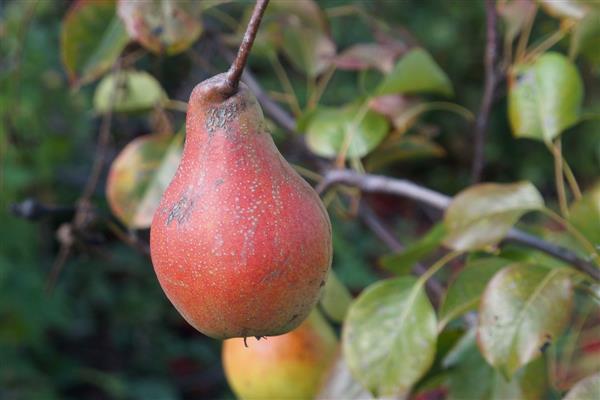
(237,67)
(404,188)
(556,150)
(434,288)
(491,82)
(82,210)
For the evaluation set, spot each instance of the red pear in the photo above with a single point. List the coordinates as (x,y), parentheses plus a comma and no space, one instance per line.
(240,243)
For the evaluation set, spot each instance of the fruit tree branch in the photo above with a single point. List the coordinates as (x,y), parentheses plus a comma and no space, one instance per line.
(491,82)
(237,67)
(404,188)
(374,183)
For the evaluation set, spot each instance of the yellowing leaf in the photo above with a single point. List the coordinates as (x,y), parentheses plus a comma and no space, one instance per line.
(524,308)
(482,215)
(128,91)
(91,40)
(162,26)
(389,338)
(139,176)
(545,97)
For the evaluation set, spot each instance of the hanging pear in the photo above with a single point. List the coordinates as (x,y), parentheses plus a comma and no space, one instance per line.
(240,243)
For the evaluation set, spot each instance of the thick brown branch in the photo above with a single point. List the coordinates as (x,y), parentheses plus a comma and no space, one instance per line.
(237,67)
(491,82)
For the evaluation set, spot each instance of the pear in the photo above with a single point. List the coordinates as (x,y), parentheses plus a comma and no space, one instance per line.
(240,243)
(289,366)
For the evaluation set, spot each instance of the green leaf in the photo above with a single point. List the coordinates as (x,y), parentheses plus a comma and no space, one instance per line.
(586,38)
(309,50)
(335,299)
(162,26)
(91,40)
(482,215)
(340,384)
(135,91)
(406,148)
(416,72)
(470,377)
(328,127)
(585,389)
(524,308)
(585,215)
(139,176)
(389,337)
(465,291)
(545,97)
(402,263)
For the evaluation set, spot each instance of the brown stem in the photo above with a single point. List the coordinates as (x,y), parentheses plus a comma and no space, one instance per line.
(237,67)
(491,81)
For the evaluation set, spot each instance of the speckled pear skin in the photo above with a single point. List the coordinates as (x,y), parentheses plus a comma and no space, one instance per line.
(240,243)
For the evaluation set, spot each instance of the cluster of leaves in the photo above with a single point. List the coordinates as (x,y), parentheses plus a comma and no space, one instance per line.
(369,106)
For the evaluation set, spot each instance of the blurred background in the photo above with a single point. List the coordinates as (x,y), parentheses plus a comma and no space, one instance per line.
(91,321)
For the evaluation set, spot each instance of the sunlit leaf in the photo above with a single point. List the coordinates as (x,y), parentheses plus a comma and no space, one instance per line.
(481,215)
(139,176)
(91,39)
(329,128)
(465,291)
(335,299)
(162,26)
(406,148)
(586,389)
(524,308)
(367,55)
(403,262)
(585,215)
(340,384)
(471,378)
(586,37)
(128,91)
(545,97)
(416,72)
(389,337)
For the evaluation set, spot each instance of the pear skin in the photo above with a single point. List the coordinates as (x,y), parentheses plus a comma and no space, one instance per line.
(240,243)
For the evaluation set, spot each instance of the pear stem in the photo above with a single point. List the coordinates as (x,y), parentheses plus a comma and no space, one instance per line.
(237,67)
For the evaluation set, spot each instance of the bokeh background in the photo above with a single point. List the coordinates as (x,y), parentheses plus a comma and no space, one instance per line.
(106,330)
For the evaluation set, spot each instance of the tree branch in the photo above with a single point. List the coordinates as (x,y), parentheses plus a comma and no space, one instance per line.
(491,82)
(400,187)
